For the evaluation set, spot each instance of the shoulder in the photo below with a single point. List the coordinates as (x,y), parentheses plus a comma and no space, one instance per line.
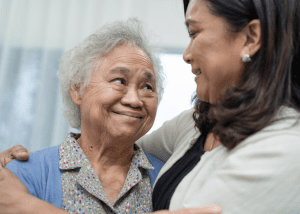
(185,117)
(275,147)
(47,156)
(156,163)
(47,153)
(284,132)
(39,165)
(41,170)
(183,125)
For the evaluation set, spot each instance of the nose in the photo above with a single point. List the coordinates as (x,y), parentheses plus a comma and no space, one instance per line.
(132,98)
(187,55)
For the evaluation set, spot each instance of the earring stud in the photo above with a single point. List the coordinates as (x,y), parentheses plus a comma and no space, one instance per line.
(246,58)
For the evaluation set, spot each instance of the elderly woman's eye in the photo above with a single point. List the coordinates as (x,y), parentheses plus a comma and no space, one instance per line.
(148,87)
(119,80)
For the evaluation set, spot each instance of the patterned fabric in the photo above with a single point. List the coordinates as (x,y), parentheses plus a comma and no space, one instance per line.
(82,189)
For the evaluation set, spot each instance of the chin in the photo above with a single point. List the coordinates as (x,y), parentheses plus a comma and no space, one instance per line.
(202,98)
(129,133)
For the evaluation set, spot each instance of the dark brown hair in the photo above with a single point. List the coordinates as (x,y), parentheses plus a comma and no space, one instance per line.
(269,81)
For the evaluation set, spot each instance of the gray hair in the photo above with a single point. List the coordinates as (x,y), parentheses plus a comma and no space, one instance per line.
(77,65)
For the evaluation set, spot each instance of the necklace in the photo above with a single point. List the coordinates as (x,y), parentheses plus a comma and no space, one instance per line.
(212,143)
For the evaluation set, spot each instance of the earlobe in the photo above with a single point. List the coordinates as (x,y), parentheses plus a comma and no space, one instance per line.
(75,94)
(253,33)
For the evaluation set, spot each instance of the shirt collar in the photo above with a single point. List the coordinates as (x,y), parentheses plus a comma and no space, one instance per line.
(140,159)
(71,155)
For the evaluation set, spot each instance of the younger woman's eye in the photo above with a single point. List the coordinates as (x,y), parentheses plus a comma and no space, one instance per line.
(192,34)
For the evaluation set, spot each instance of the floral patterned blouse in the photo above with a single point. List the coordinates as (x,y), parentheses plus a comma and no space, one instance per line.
(82,189)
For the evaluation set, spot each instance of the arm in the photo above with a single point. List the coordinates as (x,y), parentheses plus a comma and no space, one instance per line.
(14,197)
(162,142)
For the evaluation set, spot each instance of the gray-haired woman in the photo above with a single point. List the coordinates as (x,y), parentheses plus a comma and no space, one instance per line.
(111,85)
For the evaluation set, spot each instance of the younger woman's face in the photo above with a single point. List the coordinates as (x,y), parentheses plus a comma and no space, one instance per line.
(214,53)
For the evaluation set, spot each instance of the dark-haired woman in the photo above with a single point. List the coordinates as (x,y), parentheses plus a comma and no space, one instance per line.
(239,148)
(245,55)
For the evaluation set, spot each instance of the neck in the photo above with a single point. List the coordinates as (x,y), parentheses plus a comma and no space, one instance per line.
(105,151)
(211,142)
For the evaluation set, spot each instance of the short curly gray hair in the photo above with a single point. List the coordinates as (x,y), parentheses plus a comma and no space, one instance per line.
(76,65)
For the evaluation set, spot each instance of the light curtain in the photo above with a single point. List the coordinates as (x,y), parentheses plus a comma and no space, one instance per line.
(34,34)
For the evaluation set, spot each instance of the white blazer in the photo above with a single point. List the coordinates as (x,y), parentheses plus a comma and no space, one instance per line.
(259,176)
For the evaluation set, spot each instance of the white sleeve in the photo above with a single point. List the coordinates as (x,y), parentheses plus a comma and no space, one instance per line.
(263,179)
(162,142)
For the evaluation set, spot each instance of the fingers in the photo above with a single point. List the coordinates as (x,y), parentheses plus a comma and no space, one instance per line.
(20,153)
(16,152)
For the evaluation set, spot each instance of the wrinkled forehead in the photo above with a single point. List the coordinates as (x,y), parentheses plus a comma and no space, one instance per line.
(126,52)
(130,57)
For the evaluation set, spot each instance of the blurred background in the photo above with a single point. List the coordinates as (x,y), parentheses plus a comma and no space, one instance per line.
(34,34)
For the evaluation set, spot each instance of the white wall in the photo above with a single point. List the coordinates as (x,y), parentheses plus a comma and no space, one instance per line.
(179,88)
(33,23)
(35,33)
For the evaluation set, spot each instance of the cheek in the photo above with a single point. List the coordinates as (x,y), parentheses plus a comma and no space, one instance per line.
(203,44)
(99,99)
(151,106)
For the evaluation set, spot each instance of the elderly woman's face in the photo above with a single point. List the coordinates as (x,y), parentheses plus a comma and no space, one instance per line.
(214,54)
(121,99)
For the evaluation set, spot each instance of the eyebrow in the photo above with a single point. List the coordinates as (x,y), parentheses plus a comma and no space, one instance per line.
(190,21)
(150,77)
(122,70)
(126,71)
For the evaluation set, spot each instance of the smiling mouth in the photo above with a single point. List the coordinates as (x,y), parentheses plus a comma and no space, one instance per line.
(128,114)
(197,72)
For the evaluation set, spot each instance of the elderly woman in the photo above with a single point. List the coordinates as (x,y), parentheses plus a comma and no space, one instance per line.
(111,84)
(244,154)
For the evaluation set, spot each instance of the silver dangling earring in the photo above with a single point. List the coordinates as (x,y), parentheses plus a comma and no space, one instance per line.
(246,58)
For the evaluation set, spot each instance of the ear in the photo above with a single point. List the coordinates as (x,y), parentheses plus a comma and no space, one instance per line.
(75,94)
(253,33)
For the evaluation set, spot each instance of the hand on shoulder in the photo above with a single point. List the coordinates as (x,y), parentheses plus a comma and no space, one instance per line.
(16,152)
